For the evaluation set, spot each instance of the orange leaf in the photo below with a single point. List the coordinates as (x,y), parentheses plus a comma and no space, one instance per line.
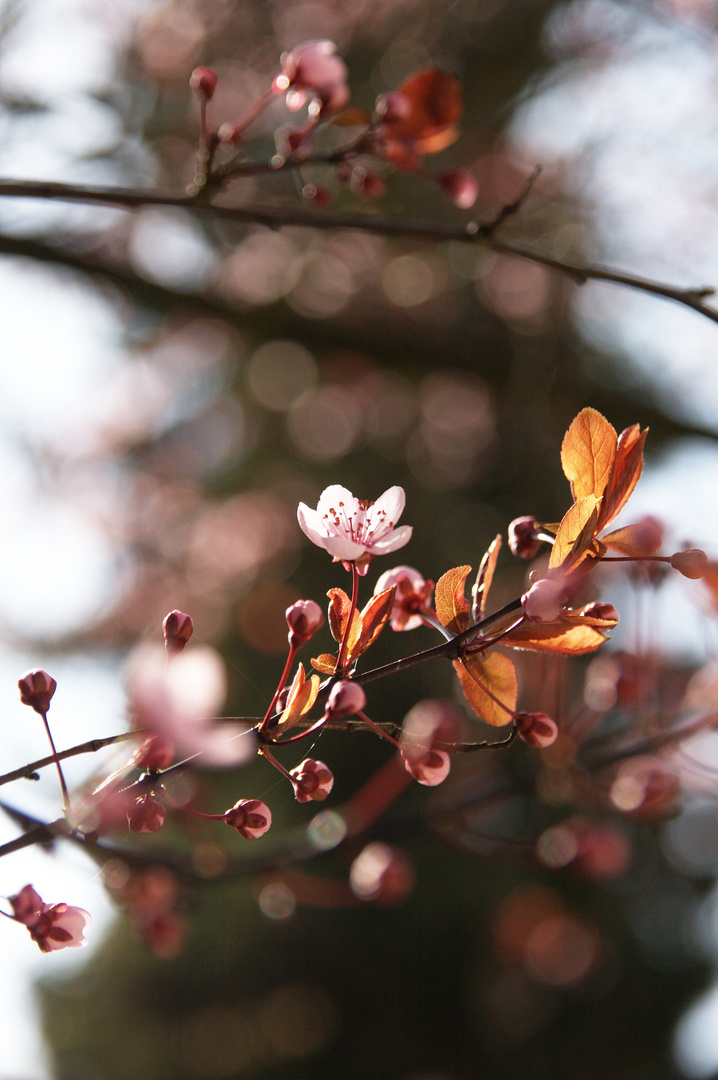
(588,452)
(452,607)
(643,538)
(564,636)
(480,591)
(339,607)
(302,695)
(574,542)
(326,663)
(627,470)
(496,673)
(434,100)
(352,117)
(373,620)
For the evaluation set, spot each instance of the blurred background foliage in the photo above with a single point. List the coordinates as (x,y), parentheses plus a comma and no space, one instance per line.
(258,367)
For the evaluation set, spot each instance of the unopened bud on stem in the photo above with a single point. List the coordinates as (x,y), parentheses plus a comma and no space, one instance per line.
(178,629)
(36,690)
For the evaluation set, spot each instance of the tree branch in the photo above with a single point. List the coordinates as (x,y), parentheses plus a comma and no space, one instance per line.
(275,217)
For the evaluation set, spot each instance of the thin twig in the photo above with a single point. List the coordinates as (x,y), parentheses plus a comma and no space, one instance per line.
(26,772)
(274,217)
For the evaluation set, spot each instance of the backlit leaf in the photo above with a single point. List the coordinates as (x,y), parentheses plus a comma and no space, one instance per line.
(627,469)
(339,607)
(301,698)
(575,537)
(434,106)
(643,538)
(588,452)
(480,591)
(452,607)
(373,620)
(326,663)
(567,637)
(495,673)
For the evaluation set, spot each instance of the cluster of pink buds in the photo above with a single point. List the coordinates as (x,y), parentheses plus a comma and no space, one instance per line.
(52,926)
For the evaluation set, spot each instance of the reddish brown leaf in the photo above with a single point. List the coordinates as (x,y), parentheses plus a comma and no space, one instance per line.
(351,117)
(373,620)
(495,673)
(434,100)
(339,607)
(574,542)
(627,470)
(480,591)
(643,538)
(452,607)
(566,636)
(588,452)
(326,663)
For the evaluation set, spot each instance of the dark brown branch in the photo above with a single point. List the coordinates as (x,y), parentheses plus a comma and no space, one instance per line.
(275,217)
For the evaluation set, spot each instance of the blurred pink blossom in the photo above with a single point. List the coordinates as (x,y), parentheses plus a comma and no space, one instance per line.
(52,926)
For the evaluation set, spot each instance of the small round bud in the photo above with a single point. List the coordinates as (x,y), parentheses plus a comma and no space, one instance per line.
(536,729)
(523,540)
(230,134)
(544,600)
(250,817)
(345,699)
(692,563)
(367,185)
(36,690)
(303,619)
(461,186)
(430,769)
(178,629)
(320,196)
(145,814)
(382,874)
(312,781)
(203,81)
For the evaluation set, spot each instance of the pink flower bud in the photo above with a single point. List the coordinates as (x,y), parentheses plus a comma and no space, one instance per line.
(382,874)
(52,926)
(523,540)
(312,781)
(544,600)
(250,817)
(598,610)
(303,619)
(345,699)
(461,186)
(36,690)
(320,196)
(536,729)
(430,769)
(178,629)
(145,814)
(392,107)
(203,81)
(367,185)
(692,563)
(156,753)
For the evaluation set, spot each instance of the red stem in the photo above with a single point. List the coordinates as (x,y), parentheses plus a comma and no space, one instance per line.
(63,785)
(280,687)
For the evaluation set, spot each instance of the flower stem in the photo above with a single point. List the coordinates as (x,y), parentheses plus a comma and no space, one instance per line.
(277,765)
(375,727)
(55,758)
(280,687)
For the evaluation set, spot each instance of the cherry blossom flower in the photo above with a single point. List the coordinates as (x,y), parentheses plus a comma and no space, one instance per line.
(52,926)
(413,595)
(312,781)
(250,817)
(353,530)
(312,68)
